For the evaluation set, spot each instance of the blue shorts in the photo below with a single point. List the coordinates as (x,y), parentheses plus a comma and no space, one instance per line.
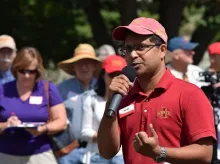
(75,157)
(97,159)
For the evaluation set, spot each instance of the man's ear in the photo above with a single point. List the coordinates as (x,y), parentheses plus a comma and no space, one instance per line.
(163,49)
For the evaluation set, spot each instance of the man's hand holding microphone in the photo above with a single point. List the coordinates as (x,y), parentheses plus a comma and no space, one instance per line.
(119,87)
(145,144)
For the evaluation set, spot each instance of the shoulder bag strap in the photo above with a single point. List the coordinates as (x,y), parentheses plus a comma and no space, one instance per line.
(46,87)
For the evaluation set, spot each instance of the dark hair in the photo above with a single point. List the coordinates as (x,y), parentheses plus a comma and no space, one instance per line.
(153,38)
(24,58)
(100,84)
(156,39)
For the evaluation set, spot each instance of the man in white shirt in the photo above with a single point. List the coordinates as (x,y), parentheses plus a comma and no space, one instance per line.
(182,58)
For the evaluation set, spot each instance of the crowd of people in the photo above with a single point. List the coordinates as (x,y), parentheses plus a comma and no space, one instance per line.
(167,117)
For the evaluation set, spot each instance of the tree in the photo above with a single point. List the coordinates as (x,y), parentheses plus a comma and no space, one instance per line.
(171,15)
(128,11)
(207,29)
(100,34)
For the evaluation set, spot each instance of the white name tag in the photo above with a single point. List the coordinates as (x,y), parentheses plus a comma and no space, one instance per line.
(74,98)
(71,94)
(126,110)
(36,100)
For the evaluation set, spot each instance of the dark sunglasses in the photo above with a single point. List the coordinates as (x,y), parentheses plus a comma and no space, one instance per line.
(24,71)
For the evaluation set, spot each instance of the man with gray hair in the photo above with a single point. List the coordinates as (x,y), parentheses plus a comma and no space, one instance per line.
(104,51)
(181,65)
(7,55)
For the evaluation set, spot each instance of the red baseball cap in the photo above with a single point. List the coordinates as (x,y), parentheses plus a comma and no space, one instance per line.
(113,63)
(142,26)
(214,48)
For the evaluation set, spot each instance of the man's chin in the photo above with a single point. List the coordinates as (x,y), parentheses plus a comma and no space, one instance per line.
(85,78)
(139,72)
(190,62)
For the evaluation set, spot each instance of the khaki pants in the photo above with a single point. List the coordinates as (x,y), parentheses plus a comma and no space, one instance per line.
(42,158)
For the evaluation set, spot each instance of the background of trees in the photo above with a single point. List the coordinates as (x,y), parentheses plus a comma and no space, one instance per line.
(56,27)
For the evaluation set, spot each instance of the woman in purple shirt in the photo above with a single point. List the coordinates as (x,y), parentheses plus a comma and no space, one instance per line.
(25,100)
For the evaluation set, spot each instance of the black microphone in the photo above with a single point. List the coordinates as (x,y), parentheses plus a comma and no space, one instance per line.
(130,73)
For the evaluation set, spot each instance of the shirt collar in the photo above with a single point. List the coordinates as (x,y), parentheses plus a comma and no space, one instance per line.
(92,84)
(164,83)
(6,73)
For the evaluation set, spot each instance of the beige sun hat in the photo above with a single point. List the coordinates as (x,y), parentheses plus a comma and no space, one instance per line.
(82,51)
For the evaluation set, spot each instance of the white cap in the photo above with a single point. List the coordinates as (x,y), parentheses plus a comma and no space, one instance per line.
(7,41)
(104,51)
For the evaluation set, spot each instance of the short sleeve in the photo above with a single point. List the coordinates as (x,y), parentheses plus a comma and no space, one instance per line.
(198,120)
(1,95)
(1,89)
(55,97)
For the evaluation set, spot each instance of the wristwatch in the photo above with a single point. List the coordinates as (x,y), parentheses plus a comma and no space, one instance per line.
(162,156)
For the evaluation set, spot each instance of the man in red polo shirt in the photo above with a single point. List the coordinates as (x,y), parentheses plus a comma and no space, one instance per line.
(167,120)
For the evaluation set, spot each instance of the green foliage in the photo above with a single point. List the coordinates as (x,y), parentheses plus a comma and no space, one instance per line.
(145,13)
(111,18)
(192,18)
(54,27)
(205,13)
(82,27)
(148,8)
(57,27)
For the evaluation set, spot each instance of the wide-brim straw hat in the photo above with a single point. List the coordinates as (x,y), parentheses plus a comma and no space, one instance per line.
(82,51)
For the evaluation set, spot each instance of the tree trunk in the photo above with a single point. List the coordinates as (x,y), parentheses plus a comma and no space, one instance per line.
(171,15)
(100,34)
(204,35)
(128,11)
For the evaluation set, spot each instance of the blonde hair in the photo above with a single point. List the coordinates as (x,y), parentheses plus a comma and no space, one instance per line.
(24,58)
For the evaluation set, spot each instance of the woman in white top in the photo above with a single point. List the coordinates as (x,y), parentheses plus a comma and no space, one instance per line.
(94,107)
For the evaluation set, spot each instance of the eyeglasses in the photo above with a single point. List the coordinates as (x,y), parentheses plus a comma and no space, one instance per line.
(140,48)
(24,71)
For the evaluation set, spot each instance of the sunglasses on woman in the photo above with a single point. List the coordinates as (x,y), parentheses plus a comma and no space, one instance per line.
(24,71)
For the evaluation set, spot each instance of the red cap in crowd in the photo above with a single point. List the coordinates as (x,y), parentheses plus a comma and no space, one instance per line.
(214,48)
(113,63)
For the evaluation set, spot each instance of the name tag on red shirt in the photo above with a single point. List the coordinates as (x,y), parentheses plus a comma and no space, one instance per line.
(126,111)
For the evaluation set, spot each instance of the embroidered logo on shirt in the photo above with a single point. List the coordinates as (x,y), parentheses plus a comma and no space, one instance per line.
(164,113)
